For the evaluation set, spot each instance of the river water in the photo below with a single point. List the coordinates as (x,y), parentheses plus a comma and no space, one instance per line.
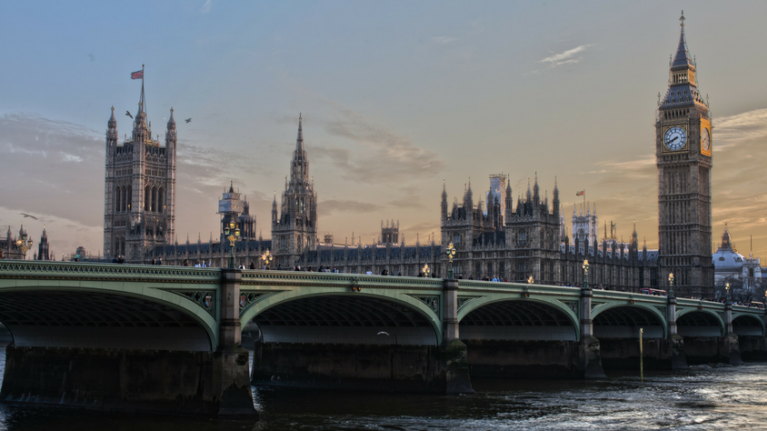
(702,398)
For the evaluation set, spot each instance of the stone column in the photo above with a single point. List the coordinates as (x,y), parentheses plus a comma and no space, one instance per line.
(454,355)
(229,331)
(231,377)
(587,326)
(730,346)
(450,310)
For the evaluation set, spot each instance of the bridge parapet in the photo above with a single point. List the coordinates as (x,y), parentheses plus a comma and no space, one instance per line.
(48,269)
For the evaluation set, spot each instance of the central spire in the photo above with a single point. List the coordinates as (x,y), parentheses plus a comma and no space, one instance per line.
(300,138)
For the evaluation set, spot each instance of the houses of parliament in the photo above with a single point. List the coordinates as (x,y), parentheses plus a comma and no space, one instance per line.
(495,237)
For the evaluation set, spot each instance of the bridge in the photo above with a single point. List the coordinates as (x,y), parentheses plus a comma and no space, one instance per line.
(159,338)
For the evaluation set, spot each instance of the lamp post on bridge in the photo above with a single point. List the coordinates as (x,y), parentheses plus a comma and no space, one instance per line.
(24,244)
(671,285)
(727,299)
(426,270)
(267,258)
(231,232)
(585,274)
(450,252)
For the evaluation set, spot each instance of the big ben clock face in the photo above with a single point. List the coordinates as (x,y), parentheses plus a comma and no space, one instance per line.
(675,138)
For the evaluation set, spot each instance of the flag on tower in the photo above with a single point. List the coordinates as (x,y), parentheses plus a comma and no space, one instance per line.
(581,193)
(137,75)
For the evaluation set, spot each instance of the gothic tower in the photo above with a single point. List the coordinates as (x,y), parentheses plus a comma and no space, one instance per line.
(684,159)
(295,230)
(140,188)
(42,247)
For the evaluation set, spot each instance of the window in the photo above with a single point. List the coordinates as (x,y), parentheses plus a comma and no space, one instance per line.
(282,243)
(456,238)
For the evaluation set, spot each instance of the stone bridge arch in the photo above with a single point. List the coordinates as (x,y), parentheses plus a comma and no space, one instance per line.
(503,318)
(699,323)
(748,324)
(108,315)
(622,320)
(339,316)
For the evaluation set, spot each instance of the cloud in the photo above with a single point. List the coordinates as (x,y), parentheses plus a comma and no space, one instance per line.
(327,208)
(641,168)
(736,129)
(205,7)
(409,197)
(566,57)
(38,154)
(376,154)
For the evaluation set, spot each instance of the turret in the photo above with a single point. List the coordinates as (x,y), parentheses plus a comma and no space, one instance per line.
(555,201)
(509,202)
(444,201)
(536,192)
(112,130)
(468,199)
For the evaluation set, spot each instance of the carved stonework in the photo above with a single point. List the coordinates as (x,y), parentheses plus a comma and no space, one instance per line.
(205,298)
(430,301)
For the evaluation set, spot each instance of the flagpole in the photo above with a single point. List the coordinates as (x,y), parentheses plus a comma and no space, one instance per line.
(142,88)
(584,198)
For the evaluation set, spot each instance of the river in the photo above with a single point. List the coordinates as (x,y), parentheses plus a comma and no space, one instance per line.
(702,398)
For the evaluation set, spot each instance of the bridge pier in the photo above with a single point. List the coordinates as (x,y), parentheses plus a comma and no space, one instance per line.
(674,344)
(454,354)
(589,360)
(231,376)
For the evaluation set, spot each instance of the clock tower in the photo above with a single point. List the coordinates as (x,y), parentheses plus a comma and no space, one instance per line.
(683,149)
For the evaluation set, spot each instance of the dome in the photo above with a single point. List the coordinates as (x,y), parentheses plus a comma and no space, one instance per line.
(726,259)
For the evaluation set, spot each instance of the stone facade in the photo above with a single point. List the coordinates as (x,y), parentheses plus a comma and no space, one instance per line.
(140,188)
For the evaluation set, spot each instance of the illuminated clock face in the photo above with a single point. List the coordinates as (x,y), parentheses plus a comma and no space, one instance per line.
(705,140)
(675,138)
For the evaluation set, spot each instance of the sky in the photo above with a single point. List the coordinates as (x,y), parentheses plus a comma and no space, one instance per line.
(396,97)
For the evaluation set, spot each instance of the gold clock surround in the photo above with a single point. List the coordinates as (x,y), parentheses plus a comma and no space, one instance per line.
(706,125)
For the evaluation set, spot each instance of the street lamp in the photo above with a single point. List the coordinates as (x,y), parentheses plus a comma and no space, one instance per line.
(671,285)
(267,258)
(530,280)
(24,244)
(727,294)
(426,270)
(231,232)
(450,252)
(585,274)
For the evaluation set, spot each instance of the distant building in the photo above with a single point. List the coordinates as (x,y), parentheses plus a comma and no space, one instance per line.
(232,206)
(8,247)
(742,273)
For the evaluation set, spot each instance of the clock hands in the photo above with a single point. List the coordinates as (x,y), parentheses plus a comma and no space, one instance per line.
(675,138)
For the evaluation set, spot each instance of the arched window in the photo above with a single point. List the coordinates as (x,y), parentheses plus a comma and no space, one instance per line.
(117,199)
(147,196)
(154,199)
(160,201)
(130,199)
